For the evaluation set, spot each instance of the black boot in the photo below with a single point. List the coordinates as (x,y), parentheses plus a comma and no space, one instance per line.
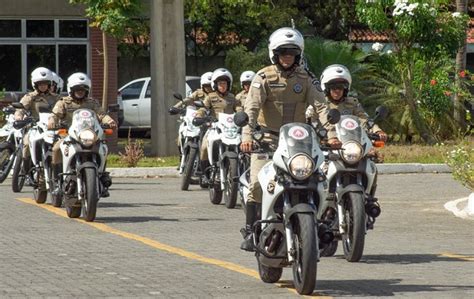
(205,174)
(106,181)
(251,216)
(25,169)
(56,181)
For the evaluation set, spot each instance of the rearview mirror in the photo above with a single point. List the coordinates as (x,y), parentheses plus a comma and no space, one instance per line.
(178,96)
(114,107)
(241,119)
(381,112)
(199,104)
(18,105)
(334,116)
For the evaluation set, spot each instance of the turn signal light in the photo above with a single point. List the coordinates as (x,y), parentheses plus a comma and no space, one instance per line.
(108,131)
(379,143)
(62,132)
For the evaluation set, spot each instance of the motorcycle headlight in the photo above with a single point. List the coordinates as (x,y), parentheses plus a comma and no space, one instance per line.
(352,152)
(301,167)
(87,137)
(230,132)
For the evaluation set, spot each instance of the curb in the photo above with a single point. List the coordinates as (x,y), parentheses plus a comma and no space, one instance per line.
(151,172)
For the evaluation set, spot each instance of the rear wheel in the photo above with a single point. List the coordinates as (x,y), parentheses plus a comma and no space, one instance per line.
(188,168)
(231,184)
(6,151)
(355,218)
(305,264)
(269,274)
(89,205)
(330,249)
(39,195)
(18,179)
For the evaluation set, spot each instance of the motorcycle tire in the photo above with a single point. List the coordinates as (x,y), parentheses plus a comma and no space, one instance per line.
(305,264)
(231,185)
(18,181)
(188,168)
(215,194)
(40,196)
(269,274)
(73,212)
(6,150)
(89,205)
(355,217)
(329,250)
(56,197)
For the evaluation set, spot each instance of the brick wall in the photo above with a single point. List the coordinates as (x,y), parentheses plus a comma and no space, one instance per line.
(97,76)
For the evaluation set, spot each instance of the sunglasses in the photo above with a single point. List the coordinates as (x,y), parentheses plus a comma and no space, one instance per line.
(288,51)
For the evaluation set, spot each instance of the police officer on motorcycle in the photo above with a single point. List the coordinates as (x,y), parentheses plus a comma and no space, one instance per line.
(336,81)
(57,84)
(78,87)
(279,94)
(200,93)
(41,80)
(220,100)
(245,80)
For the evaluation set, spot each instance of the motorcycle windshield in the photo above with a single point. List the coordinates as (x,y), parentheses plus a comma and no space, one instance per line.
(84,119)
(299,138)
(227,125)
(349,128)
(190,115)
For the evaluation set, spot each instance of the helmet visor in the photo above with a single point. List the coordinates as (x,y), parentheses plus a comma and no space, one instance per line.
(287,51)
(337,85)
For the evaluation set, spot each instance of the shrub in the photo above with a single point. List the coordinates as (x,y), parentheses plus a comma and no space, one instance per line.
(133,152)
(461,161)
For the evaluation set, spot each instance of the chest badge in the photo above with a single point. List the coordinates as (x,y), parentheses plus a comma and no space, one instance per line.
(297,88)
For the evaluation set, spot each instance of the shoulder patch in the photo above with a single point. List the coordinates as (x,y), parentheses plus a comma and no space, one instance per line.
(262,75)
(256,84)
(317,84)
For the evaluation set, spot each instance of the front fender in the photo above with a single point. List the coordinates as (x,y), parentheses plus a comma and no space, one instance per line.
(301,208)
(87,164)
(229,155)
(341,191)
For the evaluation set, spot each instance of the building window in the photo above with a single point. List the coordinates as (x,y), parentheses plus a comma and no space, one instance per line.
(60,45)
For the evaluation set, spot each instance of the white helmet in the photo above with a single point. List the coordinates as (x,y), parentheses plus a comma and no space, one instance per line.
(336,73)
(246,76)
(285,37)
(221,73)
(78,79)
(206,79)
(41,74)
(58,81)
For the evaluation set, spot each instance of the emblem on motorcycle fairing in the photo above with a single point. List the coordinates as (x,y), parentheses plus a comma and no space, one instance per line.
(66,151)
(230,119)
(349,124)
(85,114)
(297,88)
(298,133)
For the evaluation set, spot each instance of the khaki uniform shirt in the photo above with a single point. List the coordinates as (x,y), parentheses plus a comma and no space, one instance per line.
(278,97)
(65,107)
(33,100)
(241,97)
(216,103)
(197,95)
(351,106)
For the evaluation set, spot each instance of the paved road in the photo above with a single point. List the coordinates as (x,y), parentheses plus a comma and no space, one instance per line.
(151,240)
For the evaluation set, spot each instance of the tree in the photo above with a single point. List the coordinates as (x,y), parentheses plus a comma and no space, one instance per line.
(113,18)
(459,114)
(421,31)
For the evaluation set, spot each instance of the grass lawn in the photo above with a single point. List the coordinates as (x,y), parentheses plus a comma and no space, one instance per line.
(392,154)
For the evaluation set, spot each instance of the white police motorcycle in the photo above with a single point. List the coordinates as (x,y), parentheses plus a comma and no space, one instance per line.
(190,137)
(84,153)
(10,147)
(351,207)
(223,149)
(288,234)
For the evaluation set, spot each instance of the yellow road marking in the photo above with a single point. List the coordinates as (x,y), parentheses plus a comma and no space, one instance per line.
(155,244)
(458,256)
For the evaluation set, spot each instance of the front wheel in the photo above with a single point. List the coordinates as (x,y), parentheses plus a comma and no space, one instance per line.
(231,184)
(354,218)
(89,204)
(6,151)
(188,168)
(73,211)
(18,180)
(305,264)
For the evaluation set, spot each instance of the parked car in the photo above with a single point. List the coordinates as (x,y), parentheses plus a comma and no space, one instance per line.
(135,102)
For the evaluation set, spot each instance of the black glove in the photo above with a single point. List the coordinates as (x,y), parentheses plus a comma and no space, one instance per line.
(197,121)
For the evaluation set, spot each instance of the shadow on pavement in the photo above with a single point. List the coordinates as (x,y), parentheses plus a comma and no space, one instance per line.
(404,259)
(380,287)
(133,205)
(133,219)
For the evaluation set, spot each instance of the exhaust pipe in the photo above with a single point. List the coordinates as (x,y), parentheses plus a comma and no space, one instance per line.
(372,209)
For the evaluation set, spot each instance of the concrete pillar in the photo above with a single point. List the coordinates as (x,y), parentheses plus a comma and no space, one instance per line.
(167,72)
